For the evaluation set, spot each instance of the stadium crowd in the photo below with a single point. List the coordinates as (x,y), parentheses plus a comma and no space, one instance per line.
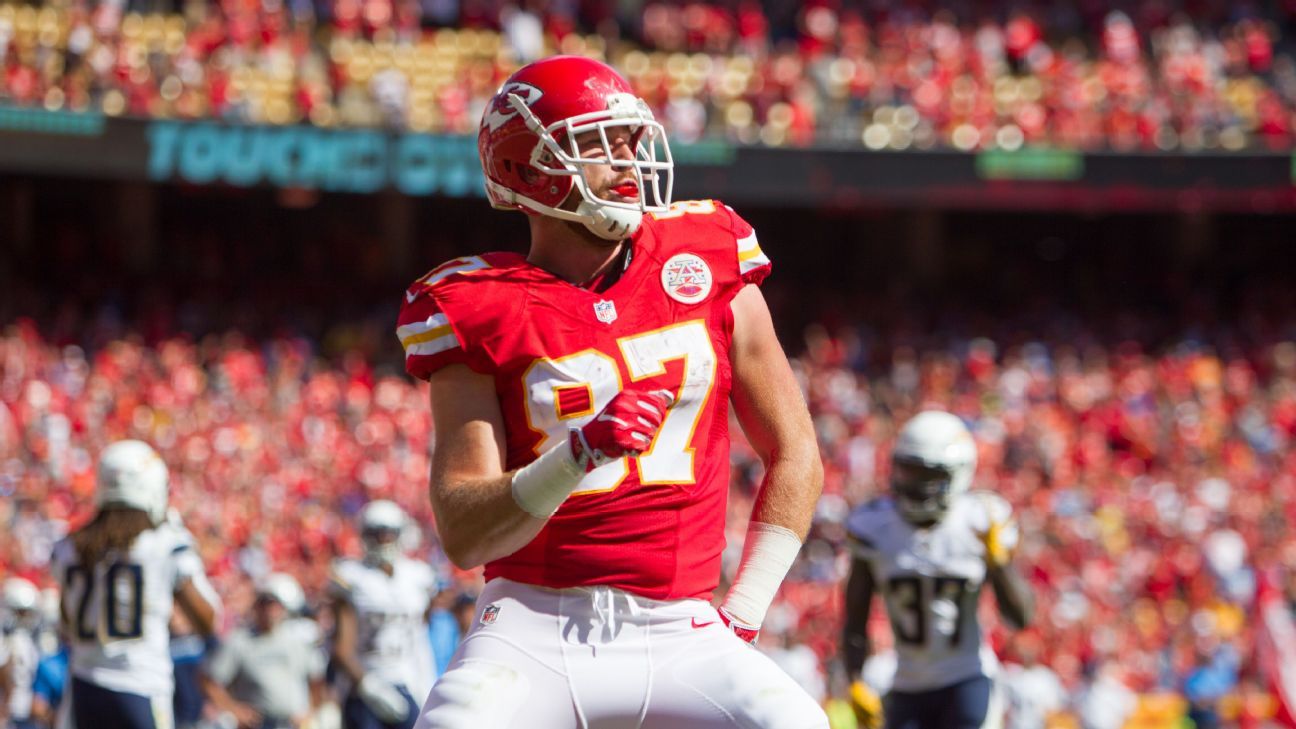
(1153,484)
(1145,75)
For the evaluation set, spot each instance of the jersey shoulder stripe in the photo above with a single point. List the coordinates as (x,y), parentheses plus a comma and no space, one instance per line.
(463,265)
(429,336)
(750,255)
(425,331)
(753,265)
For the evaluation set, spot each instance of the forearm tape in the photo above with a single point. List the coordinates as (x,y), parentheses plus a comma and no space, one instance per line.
(768,554)
(541,486)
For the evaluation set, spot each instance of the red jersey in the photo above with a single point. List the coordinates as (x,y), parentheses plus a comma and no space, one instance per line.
(652,524)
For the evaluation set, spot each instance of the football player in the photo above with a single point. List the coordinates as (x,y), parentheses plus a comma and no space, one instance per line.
(121,575)
(19,654)
(581,395)
(381,605)
(928,549)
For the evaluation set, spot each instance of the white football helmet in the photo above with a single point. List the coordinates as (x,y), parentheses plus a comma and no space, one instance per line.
(381,525)
(133,475)
(933,461)
(20,595)
(285,590)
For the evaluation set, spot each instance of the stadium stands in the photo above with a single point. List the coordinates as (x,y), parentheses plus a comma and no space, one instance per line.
(920,78)
(1152,482)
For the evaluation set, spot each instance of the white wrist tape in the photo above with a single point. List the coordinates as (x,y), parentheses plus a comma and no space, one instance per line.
(541,486)
(768,554)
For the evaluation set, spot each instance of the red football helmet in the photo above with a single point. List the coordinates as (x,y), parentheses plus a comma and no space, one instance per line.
(529,154)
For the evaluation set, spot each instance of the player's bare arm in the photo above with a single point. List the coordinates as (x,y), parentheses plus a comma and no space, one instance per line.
(773,415)
(1012,594)
(197,608)
(345,637)
(856,646)
(472,497)
(246,716)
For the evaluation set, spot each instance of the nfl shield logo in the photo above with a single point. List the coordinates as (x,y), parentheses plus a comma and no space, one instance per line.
(605,311)
(490,614)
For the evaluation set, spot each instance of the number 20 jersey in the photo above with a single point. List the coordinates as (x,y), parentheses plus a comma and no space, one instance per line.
(930,580)
(118,614)
(653,524)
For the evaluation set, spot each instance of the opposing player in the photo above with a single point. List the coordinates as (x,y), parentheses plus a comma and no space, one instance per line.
(19,655)
(381,605)
(580,395)
(928,549)
(121,575)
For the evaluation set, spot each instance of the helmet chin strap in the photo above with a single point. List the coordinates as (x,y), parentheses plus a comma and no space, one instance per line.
(607,222)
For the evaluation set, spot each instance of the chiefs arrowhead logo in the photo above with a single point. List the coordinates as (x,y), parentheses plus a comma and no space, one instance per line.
(501,110)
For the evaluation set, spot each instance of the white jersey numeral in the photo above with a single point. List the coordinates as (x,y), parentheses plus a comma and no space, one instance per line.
(591,371)
(670,459)
(591,379)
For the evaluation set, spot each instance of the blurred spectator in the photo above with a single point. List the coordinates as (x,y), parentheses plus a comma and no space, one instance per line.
(1033,692)
(263,674)
(1138,77)
(451,617)
(1213,677)
(1108,701)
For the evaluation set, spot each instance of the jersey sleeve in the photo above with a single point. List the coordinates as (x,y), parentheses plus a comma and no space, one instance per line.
(863,528)
(753,265)
(340,582)
(427,580)
(187,566)
(430,339)
(430,342)
(997,510)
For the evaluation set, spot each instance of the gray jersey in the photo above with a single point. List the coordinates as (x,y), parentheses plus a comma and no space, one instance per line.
(118,614)
(930,580)
(269,671)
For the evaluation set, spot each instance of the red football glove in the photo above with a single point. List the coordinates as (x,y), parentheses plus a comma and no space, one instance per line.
(626,426)
(748,633)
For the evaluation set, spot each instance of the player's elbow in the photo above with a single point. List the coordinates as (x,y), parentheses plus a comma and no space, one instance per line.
(802,456)
(468,547)
(463,552)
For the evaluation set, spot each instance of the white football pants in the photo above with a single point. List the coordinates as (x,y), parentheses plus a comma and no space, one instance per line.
(602,658)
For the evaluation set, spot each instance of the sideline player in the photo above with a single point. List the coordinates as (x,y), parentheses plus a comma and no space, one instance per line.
(580,396)
(121,575)
(381,605)
(19,654)
(928,549)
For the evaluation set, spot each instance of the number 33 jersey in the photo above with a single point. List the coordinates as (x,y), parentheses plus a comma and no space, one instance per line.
(930,580)
(558,353)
